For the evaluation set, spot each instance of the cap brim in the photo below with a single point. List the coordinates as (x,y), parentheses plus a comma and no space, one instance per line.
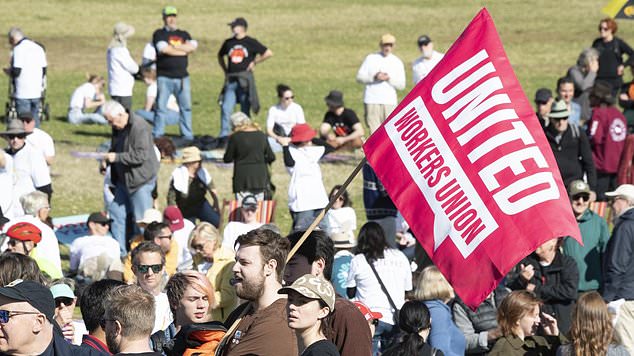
(611,194)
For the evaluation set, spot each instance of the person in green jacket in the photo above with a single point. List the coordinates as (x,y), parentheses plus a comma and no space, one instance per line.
(519,318)
(594,233)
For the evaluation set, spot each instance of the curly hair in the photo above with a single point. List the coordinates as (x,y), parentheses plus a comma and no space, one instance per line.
(591,329)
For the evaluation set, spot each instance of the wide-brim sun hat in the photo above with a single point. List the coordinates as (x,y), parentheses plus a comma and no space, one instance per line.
(15,127)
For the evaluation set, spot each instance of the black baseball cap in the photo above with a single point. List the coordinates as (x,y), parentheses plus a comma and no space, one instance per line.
(38,296)
(99,218)
(423,40)
(239,21)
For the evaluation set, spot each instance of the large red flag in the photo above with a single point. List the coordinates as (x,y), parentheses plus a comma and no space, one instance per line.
(465,160)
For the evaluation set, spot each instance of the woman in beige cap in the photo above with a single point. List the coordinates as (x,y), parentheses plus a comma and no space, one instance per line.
(188,188)
(311,301)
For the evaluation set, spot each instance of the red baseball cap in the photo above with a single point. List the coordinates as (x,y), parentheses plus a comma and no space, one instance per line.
(25,231)
(174,218)
(367,313)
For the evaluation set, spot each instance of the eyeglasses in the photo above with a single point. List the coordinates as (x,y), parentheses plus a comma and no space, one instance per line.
(289,97)
(63,300)
(20,136)
(5,315)
(102,322)
(146,268)
(165,236)
(584,197)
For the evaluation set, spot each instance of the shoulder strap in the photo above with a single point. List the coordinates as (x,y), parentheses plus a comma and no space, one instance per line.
(387,294)
(575,130)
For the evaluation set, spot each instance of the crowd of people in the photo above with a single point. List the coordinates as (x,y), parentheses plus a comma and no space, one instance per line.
(183,282)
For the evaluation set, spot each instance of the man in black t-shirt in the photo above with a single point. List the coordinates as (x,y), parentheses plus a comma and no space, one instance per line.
(341,127)
(242,54)
(172,48)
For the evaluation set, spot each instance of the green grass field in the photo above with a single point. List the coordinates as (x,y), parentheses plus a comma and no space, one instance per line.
(317,45)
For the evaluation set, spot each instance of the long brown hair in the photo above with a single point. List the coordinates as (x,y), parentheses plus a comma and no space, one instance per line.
(591,329)
(513,308)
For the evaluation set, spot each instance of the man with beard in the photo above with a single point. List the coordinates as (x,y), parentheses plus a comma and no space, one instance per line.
(128,321)
(262,327)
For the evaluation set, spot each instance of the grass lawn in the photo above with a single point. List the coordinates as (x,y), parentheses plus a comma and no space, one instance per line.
(317,45)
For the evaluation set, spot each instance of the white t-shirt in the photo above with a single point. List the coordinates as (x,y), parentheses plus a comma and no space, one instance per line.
(185,261)
(395,273)
(86,90)
(90,246)
(287,118)
(306,189)
(233,230)
(422,66)
(121,67)
(7,201)
(48,248)
(42,142)
(152,92)
(31,58)
(163,313)
(29,170)
(381,92)
(149,53)
(342,220)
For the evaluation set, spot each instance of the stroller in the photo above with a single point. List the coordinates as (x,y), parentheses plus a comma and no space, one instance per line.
(11,111)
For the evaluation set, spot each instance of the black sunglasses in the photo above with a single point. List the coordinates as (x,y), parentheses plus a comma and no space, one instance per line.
(585,197)
(63,300)
(375,322)
(146,268)
(20,136)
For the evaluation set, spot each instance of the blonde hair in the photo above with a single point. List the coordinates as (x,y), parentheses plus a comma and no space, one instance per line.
(206,231)
(133,308)
(177,284)
(591,328)
(433,285)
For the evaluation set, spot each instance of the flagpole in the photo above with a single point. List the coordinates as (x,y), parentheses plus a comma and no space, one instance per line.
(325,210)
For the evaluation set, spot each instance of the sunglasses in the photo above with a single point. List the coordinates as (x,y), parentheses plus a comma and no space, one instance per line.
(584,197)
(199,247)
(165,236)
(375,322)
(63,300)
(5,315)
(20,136)
(103,223)
(146,268)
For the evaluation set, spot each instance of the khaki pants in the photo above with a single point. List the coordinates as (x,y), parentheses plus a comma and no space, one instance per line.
(375,114)
(624,328)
